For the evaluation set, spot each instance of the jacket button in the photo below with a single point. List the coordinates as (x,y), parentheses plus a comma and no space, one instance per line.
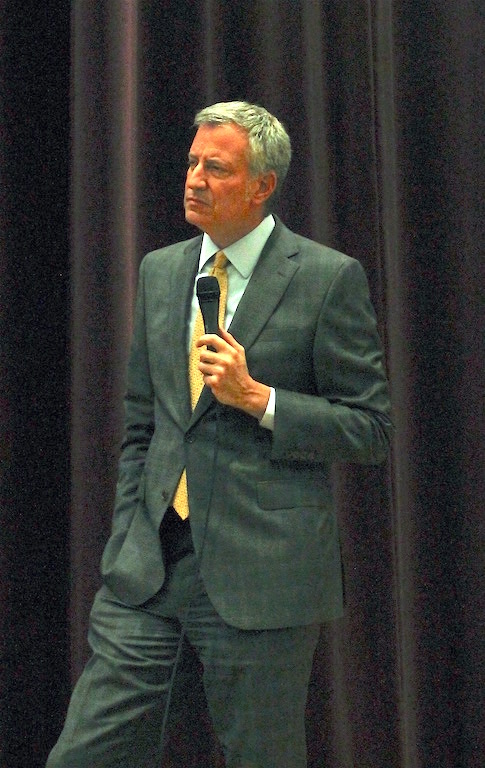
(165,495)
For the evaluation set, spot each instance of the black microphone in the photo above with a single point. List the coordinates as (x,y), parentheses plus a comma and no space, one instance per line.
(208,292)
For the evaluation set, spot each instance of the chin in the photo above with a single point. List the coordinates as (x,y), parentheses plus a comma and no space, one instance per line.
(193,218)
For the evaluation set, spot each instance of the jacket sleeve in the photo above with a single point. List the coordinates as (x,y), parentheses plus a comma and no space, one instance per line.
(139,419)
(349,417)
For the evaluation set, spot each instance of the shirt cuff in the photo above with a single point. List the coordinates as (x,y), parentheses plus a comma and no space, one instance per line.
(267,420)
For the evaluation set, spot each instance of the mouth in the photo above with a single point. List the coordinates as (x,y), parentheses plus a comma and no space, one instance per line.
(191,200)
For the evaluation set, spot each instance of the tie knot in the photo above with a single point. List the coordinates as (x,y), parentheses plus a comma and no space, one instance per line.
(220,261)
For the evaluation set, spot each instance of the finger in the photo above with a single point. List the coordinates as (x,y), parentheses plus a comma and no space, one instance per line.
(210,340)
(226,336)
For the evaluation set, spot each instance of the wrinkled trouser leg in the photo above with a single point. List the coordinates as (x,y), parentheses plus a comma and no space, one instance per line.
(255,682)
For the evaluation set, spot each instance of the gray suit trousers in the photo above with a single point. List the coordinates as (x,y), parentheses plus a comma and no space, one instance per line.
(255,682)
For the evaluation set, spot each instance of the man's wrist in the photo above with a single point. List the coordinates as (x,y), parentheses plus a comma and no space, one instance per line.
(256,400)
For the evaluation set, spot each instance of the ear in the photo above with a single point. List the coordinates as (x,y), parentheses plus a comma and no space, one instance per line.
(264,187)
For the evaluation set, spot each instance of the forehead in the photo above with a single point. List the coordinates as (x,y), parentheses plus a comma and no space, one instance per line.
(229,141)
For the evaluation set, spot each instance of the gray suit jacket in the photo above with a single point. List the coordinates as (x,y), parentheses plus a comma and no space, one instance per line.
(262,515)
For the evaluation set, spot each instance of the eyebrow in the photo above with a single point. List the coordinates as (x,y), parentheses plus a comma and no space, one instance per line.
(223,162)
(193,155)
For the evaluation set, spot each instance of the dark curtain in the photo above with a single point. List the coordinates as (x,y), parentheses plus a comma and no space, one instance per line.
(384,103)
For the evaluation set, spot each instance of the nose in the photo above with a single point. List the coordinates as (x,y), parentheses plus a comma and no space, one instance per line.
(196,176)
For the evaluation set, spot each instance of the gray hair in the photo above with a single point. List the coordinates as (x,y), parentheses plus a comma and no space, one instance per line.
(269,143)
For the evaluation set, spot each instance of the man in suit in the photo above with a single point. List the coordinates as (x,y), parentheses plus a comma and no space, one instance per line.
(293,382)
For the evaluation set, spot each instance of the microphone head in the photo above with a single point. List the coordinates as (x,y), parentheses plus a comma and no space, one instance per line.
(208,288)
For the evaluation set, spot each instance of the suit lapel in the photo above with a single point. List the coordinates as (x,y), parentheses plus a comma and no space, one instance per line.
(269,281)
(181,287)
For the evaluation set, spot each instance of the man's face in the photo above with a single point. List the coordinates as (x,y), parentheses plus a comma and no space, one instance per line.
(221,196)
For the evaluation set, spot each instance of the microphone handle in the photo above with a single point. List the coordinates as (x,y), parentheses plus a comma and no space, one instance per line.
(209,307)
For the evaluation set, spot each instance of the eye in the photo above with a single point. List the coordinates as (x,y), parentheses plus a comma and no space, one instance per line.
(217,169)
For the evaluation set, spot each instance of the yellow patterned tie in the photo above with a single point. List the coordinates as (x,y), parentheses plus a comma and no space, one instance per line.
(180,500)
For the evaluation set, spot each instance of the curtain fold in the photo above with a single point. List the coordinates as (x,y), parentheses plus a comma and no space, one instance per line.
(384,105)
(104,248)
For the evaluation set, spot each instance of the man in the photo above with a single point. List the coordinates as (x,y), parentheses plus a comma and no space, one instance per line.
(296,383)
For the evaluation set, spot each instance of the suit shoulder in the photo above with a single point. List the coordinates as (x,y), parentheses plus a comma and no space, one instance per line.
(303,247)
(170,253)
(322,252)
(313,257)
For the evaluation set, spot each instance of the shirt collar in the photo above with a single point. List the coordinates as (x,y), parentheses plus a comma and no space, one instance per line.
(244,253)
